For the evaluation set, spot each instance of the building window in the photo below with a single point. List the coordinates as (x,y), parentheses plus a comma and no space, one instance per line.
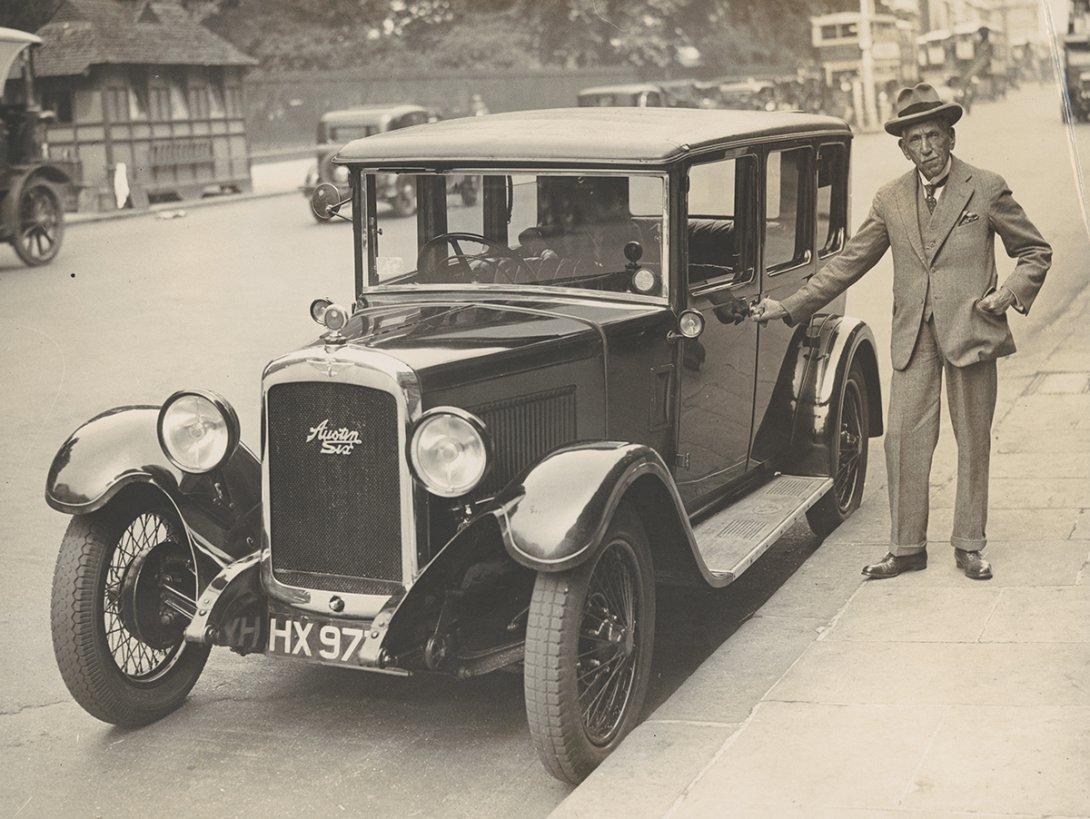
(59,101)
(117,104)
(198,101)
(159,103)
(232,99)
(787,239)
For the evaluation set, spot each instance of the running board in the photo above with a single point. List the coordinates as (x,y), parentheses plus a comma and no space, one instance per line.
(731,539)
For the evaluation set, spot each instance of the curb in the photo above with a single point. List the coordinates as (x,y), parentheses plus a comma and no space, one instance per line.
(74,219)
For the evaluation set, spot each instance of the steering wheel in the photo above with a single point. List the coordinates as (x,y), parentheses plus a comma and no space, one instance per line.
(427,270)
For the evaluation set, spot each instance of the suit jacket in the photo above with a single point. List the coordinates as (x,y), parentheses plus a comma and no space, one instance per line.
(956,252)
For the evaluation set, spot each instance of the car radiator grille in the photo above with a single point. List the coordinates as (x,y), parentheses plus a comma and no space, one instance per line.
(335,519)
(524,429)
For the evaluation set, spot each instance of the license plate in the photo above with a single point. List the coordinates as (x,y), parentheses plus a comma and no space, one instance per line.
(318,639)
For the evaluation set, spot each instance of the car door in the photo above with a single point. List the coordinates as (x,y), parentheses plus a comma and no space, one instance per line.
(805,201)
(718,367)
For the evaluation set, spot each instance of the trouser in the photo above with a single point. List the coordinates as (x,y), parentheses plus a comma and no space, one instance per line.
(913,431)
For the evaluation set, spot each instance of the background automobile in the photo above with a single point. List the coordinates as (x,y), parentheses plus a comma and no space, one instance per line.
(338,127)
(33,188)
(537,410)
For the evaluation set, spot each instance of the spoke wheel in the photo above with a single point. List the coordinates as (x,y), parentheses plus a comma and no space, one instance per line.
(608,652)
(148,575)
(847,477)
(39,225)
(123,593)
(848,447)
(588,651)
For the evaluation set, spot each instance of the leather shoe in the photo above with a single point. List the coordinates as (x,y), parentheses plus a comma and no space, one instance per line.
(975,566)
(892,565)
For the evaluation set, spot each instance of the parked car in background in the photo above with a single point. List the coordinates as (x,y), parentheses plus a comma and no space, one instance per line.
(633,95)
(33,187)
(336,128)
(534,414)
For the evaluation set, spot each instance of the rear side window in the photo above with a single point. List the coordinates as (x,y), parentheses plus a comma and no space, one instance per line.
(832,198)
(787,235)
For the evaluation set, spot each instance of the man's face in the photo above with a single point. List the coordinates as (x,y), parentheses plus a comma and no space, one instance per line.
(928,144)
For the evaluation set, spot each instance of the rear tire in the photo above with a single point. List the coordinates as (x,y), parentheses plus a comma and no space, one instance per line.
(848,454)
(113,674)
(589,640)
(38,226)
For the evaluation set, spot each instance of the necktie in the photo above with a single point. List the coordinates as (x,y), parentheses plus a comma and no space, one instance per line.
(930,189)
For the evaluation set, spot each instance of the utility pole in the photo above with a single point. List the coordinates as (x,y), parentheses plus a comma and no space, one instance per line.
(866,44)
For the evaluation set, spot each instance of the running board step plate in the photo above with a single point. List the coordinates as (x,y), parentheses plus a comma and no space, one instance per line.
(731,539)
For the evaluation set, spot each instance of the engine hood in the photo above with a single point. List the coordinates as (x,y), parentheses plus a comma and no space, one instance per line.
(449,343)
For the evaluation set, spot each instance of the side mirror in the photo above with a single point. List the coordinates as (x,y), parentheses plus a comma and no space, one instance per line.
(325,201)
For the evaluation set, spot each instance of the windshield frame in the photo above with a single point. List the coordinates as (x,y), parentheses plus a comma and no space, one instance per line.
(367,239)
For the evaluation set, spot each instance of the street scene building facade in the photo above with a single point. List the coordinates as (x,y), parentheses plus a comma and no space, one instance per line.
(147,102)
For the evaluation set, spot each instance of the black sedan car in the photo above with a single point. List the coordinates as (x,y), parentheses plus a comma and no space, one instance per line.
(537,410)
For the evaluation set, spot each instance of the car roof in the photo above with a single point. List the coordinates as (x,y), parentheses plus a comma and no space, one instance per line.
(630,88)
(369,114)
(639,136)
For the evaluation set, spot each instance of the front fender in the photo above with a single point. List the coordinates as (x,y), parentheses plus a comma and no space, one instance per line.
(120,447)
(556,515)
(832,344)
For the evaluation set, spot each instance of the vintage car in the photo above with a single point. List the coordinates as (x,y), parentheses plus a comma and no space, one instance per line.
(33,188)
(338,127)
(533,414)
(632,95)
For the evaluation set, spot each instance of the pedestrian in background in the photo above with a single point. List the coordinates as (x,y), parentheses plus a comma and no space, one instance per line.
(949,317)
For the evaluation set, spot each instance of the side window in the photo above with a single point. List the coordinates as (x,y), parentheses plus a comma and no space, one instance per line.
(832,198)
(720,216)
(787,238)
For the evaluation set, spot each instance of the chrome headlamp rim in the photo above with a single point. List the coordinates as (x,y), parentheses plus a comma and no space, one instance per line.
(230,419)
(478,427)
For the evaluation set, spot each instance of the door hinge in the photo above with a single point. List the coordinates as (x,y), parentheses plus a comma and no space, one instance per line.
(681,460)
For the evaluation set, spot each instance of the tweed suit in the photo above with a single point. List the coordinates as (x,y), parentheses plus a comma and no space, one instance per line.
(946,259)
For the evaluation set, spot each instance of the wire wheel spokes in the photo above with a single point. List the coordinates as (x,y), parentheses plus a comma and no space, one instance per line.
(608,652)
(39,223)
(848,472)
(135,659)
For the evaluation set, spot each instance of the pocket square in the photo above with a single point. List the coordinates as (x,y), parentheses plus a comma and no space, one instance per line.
(969,217)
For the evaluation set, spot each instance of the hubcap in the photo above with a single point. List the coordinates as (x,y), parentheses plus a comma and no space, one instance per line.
(608,651)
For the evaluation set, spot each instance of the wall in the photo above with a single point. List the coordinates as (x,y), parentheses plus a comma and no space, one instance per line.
(283,109)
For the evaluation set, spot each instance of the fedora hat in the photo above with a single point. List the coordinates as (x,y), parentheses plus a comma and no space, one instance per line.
(918,103)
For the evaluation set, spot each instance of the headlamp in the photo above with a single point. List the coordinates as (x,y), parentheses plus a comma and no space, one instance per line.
(449,451)
(198,430)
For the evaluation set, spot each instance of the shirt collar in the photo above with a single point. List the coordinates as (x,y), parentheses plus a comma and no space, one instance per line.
(943,174)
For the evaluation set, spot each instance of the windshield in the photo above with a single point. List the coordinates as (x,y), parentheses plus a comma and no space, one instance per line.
(601,233)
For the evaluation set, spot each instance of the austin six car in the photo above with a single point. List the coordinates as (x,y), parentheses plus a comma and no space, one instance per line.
(536,411)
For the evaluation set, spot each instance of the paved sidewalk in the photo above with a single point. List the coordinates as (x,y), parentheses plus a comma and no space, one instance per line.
(929,694)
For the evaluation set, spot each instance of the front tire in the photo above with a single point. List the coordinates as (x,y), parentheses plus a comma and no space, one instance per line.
(588,651)
(115,675)
(848,448)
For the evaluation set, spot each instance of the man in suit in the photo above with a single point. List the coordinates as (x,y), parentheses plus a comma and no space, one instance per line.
(949,317)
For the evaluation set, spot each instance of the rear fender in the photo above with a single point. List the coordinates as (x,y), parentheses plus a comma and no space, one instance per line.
(831,344)
(555,517)
(221,510)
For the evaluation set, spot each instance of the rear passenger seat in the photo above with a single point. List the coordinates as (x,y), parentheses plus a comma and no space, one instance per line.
(712,250)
